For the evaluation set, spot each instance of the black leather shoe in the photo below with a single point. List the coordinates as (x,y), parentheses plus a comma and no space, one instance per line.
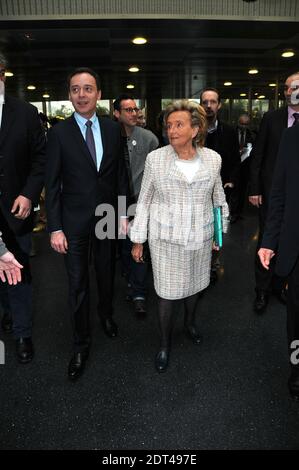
(192,333)
(77,365)
(110,327)
(24,349)
(293,384)
(6,323)
(261,302)
(161,360)
(139,306)
(281,295)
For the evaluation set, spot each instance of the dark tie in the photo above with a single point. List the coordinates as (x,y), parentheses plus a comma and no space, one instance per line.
(90,142)
(242,138)
(296,119)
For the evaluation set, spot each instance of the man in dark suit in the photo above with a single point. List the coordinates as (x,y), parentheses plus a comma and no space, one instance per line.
(222,138)
(263,160)
(85,168)
(281,238)
(22,159)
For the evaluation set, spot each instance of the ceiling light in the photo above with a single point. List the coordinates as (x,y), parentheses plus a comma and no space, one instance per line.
(45,95)
(288,53)
(255,94)
(272,84)
(227,83)
(8,73)
(261,97)
(130,86)
(139,40)
(134,68)
(31,87)
(253,71)
(242,94)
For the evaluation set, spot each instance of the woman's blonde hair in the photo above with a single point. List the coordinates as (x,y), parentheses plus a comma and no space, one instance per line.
(197,116)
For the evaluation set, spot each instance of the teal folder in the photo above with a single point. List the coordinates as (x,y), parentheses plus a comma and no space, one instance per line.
(217,226)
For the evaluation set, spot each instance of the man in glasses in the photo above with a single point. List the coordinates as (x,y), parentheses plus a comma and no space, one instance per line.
(22,160)
(137,144)
(263,161)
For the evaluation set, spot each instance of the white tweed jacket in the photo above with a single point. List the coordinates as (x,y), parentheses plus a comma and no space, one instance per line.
(170,208)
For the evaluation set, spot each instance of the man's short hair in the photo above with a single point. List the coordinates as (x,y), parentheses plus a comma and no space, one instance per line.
(3,60)
(210,89)
(119,99)
(84,70)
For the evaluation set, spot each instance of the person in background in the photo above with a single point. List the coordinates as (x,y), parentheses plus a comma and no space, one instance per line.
(141,121)
(262,166)
(22,148)
(180,187)
(137,143)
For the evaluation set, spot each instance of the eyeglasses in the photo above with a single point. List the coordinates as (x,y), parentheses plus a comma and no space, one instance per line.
(130,110)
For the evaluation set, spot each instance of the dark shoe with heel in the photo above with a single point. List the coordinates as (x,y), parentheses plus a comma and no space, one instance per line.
(77,365)
(24,350)
(161,360)
(193,334)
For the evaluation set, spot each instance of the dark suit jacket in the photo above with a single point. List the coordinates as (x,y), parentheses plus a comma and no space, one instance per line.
(22,160)
(282,227)
(264,152)
(225,142)
(74,187)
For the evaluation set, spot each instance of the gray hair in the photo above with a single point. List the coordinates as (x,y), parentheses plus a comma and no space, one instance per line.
(197,116)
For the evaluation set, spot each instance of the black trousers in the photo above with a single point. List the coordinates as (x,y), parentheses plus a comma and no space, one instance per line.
(266,280)
(293,310)
(81,249)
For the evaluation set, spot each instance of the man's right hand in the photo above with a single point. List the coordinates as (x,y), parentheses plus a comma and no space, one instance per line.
(256,200)
(58,242)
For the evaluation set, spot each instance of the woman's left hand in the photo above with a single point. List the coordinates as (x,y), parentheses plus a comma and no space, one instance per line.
(137,252)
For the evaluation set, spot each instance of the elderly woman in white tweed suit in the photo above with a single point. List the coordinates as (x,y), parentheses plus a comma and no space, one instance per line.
(181,185)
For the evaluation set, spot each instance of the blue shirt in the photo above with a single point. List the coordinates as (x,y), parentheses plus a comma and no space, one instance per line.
(96,134)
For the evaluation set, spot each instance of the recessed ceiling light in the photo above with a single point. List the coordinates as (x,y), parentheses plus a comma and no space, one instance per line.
(130,86)
(8,73)
(288,53)
(227,83)
(139,40)
(253,71)
(45,95)
(134,68)
(261,97)
(31,87)
(255,94)
(272,84)
(242,94)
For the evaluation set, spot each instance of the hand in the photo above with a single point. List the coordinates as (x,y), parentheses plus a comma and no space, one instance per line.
(137,252)
(256,200)
(11,267)
(21,207)
(265,255)
(123,226)
(59,242)
(215,247)
(228,185)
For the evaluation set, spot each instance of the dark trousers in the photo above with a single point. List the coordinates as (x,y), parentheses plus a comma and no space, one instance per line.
(80,251)
(135,272)
(265,279)
(17,300)
(293,309)
(239,192)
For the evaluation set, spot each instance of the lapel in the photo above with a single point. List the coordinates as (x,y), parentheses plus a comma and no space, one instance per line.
(175,173)
(9,113)
(78,137)
(104,142)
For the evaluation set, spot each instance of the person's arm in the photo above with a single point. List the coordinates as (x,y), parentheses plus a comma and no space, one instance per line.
(219,199)
(234,159)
